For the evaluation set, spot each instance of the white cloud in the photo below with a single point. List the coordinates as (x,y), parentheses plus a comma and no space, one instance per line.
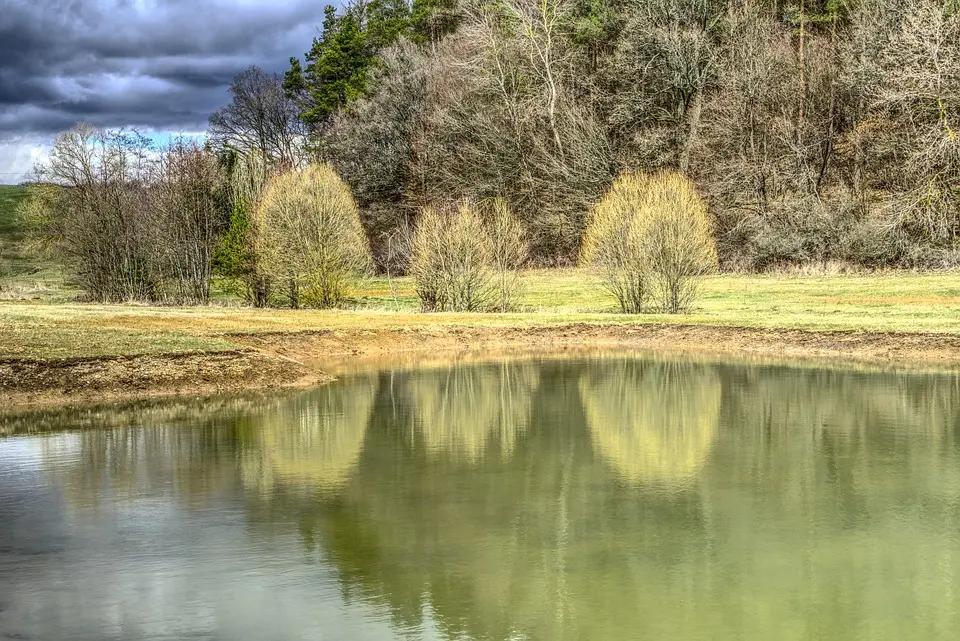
(18,158)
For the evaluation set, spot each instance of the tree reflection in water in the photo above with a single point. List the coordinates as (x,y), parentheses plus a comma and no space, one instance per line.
(465,412)
(590,499)
(654,421)
(311,441)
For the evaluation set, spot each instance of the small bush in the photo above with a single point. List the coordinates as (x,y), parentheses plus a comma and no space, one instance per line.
(451,260)
(508,243)
(308,236)
(650,236)
(678,242)
(612,243)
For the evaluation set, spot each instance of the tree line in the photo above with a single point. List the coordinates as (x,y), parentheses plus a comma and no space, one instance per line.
(459,139)
(816,130)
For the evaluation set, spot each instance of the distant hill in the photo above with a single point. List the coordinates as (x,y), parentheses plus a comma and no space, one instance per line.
(23,273)
(10,197)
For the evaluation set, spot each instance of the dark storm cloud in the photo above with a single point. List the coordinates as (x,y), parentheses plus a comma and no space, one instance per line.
(152,64)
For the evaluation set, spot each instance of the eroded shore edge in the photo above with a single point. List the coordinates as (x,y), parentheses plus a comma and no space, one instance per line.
(264,361)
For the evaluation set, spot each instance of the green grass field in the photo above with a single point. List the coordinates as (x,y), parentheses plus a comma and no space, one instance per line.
(900,302)
(38,318)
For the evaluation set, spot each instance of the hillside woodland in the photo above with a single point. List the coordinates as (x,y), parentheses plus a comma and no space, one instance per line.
(817,130)
(812,132)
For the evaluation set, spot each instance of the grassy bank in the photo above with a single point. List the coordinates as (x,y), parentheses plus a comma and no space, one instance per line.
(54,352)
(52,346)
(894,302)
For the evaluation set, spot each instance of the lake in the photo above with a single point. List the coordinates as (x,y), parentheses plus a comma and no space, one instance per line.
(577,497)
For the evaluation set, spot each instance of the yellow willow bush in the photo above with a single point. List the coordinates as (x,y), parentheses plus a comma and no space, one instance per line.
(451,258)
(650,236)
(463,260)
(309,236)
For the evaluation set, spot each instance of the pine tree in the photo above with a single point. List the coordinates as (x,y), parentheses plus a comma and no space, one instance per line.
(336,69)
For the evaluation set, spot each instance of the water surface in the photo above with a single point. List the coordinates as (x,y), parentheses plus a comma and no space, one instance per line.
(577,498)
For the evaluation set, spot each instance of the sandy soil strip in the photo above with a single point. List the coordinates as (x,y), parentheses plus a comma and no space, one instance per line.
(272,360)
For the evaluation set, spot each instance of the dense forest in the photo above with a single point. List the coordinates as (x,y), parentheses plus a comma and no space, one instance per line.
(817,130)
(822,132)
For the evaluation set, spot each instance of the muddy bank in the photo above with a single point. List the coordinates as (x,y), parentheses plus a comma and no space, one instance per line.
(899,349)
(99,380)
(288,359)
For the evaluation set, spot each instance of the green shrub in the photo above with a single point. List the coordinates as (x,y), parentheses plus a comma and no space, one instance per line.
(236,256)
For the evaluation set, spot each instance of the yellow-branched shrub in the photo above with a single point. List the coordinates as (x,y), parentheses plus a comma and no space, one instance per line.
(509,250)
(612,242)
(309,236)
(451,260)
(650,236)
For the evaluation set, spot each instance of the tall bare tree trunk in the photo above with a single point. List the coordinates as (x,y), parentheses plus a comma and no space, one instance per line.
(694,112)
(803,63)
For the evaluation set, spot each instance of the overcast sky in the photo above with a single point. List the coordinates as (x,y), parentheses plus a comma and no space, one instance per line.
(161,66)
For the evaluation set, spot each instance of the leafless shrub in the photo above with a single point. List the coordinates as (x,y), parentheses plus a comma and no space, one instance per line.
(451,260)
(650,235)
(189,198)
(677,239)
(92,206)
(509,250)
(613,245)
(309,236)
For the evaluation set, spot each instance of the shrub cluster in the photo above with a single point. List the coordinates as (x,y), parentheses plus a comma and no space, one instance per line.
(136,225)
(131,225)
(650,237)
(463,260)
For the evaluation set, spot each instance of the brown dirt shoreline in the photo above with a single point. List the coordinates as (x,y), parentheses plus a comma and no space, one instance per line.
(300,359)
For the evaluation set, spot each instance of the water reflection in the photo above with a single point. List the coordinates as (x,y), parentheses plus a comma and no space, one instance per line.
(158,452)
(311,441)
(557,499)
(655,421)
(464,412)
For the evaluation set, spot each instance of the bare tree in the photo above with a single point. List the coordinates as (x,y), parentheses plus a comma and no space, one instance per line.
(99,217)
(260,118)
(666,60)
(815,129)
(132,222)
(538,25)
(489,132)
(372,143)
(913,94)
(189,198)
